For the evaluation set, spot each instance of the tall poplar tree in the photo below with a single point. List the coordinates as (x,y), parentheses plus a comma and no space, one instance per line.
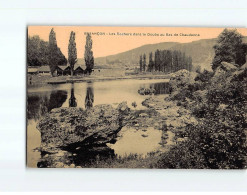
(140,63)
(157,60)
(72,52)
(88,55)
(144,62)
(166,61)
(151,62)
(52,51)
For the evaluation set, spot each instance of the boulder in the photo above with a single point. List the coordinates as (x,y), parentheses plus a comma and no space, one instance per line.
(123,108)
(64,127)
(228,66)
(181,79)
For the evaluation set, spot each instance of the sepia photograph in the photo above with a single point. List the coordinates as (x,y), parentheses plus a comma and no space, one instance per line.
(136,97)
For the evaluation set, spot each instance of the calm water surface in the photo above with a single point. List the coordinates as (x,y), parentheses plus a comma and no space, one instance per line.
(43,99)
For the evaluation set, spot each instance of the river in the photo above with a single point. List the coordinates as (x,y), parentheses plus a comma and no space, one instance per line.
(41,100)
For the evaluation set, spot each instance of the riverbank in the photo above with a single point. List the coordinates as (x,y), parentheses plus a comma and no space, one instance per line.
(160,115)
(36,80)
(90,139)
(157,126)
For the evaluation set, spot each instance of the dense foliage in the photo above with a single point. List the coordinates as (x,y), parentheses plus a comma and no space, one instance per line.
(166,61)
(229,48)
(72,52)
(38,53)
(218,141)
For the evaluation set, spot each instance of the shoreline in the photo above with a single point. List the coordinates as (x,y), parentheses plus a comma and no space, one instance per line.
(41,80)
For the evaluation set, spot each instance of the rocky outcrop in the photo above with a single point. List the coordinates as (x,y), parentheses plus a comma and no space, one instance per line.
(227,73)
(181,79)
(146,91)
(228,66)
(224,68)
(174,116)
(63,127)
(181,83)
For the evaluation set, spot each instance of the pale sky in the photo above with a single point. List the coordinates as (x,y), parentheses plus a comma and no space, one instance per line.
(108,44)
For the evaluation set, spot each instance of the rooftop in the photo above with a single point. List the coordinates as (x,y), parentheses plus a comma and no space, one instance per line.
(32,69)
(44,68)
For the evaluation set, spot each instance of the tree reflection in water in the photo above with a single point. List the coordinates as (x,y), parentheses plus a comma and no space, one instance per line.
(57,98)
(161,88)
(89,97)
(39,104)
(72,99)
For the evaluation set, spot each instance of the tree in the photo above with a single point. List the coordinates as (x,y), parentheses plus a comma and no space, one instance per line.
(88,55)
(169,61)
(52,51)
(33,51)
(229,48)
(144,62)
(175,61)
(140,62)
(151,62)
(37,51)
(157,60)
(241,55)
(162,61)
(72,52)
(166,61)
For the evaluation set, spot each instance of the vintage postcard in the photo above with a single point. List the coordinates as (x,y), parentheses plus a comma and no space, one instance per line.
(136,97)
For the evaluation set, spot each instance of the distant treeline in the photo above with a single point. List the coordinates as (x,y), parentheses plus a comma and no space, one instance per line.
(111,62)
(38,53)
(165,61)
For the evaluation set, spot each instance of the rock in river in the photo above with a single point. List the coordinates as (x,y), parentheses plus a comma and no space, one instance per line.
(64,127)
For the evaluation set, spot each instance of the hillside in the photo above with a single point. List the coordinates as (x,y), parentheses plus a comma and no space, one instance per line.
(132,56)
(201,51)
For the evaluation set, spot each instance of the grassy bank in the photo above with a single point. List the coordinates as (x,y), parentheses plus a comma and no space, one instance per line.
(128,161)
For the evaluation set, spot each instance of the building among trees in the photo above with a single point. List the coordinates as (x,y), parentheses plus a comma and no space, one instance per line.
(78,70)
(44,70)
(32,70)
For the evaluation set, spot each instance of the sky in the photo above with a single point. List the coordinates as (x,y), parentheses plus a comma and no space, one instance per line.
(114,40)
